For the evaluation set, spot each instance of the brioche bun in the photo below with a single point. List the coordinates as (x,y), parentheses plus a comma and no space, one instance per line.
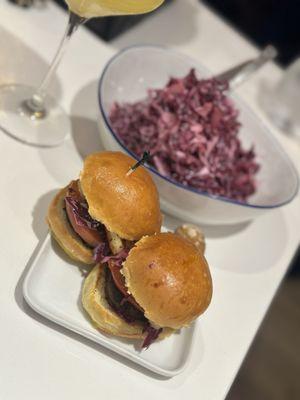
(63,232)
(126,205)
(101,314)
(169,278)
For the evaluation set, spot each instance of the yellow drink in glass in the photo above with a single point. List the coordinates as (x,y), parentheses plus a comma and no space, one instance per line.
(101,8)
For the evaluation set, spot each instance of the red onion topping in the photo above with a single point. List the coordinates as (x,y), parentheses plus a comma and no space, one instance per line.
(80,212)
(102,255)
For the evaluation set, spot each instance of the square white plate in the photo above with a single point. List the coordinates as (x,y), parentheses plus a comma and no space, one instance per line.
(52,287)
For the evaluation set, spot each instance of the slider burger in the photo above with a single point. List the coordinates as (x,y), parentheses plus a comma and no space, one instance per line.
(159,285)
(106,210)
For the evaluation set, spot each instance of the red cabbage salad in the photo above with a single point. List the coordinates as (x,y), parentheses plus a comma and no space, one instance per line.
(191,129)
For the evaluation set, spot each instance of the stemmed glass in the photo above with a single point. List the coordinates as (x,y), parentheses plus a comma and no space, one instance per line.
(30,114)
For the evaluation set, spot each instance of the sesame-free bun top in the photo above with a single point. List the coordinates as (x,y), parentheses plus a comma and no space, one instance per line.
(169,278)
(126,204)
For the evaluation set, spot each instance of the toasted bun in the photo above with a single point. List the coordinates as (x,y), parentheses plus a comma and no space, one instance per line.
(63,232)
(102,316)
(169,278)
(126,205)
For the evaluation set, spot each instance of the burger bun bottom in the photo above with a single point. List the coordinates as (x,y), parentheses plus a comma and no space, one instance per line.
(102,315)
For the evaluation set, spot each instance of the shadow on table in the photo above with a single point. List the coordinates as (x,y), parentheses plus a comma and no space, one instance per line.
(65,161)
(168,34)
(20,64)
(85,133)
(39,212)
(210,231)
(258,254)
(257,248)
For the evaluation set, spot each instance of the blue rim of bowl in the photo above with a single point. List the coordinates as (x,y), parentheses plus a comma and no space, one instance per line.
(179,185)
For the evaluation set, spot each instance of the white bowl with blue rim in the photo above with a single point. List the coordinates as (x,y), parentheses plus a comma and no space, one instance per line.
(126,78)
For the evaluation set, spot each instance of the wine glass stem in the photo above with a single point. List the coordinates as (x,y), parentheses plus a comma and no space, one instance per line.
(35,107)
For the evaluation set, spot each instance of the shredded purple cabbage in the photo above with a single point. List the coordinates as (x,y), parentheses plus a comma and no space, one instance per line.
(81,215)
(191,129)
(152,335)
(102,251)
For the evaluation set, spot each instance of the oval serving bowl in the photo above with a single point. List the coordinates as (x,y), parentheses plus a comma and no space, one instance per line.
(127,77)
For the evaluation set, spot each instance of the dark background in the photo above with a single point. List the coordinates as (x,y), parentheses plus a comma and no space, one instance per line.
(262,21)
(265,21)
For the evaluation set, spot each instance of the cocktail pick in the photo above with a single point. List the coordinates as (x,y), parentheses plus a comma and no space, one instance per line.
(142,161)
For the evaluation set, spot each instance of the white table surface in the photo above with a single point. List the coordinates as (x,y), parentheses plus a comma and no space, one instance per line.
(41,361)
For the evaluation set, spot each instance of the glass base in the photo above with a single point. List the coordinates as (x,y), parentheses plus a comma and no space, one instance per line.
(49,129)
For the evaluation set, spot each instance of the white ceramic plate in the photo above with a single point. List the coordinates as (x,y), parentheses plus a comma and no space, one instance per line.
(52,288)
